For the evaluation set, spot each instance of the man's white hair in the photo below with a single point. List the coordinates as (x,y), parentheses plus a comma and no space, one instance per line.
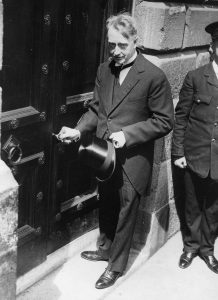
(124,23)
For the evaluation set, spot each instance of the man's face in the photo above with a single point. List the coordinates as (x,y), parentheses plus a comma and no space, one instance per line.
(120,48)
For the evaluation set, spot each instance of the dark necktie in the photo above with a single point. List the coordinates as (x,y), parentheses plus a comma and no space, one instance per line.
(118,69)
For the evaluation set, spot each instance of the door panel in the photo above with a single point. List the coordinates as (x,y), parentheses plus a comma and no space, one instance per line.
(25,139)
(74,189)
(51,51)
(82,35)
(18,64)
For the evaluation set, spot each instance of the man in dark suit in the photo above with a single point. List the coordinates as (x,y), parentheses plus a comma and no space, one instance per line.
(132,106)
(195,149)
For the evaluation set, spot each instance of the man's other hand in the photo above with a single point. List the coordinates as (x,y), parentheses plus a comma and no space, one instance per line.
(118,139)
(180,162)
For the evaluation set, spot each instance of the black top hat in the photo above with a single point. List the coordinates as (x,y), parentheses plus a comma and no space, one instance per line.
(98,154)
(212,29)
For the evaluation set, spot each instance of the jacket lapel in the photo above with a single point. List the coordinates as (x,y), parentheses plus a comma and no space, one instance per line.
(107,90)
(129,82)
(211,76)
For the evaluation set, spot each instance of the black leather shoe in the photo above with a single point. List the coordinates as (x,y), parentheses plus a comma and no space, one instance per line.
(107,279)
(211,262)
(92,255)
(186,259)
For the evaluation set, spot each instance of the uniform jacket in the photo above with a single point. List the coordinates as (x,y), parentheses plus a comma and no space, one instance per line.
(196,131)
(143,110)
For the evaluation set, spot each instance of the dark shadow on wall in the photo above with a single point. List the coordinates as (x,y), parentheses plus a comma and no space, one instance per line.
(179,195)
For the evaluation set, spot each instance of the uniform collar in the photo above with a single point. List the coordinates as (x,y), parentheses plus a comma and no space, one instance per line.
(215,67)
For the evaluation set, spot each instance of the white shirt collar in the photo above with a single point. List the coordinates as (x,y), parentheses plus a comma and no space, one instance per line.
(131,58)
(215,67)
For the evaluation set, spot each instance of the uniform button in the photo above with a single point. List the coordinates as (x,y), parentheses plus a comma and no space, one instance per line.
(217,107)
(198,100)
(215,124)
(213,140)
(109,119)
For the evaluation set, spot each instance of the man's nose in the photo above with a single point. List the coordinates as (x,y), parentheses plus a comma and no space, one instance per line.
(116,50)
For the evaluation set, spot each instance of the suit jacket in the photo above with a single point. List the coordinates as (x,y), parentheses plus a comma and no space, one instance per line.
(143,110)
(196,131)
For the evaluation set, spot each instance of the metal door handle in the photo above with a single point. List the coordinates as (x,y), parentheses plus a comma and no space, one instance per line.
(13,150)
(15,154)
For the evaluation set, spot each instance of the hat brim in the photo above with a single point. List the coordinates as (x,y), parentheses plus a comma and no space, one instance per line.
(99,154)
(107,169)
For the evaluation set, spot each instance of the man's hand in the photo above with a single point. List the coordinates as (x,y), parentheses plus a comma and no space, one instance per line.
(181,162)
(118,139)
(67,135)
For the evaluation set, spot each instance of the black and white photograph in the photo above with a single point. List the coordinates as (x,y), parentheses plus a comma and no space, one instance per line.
(109,150)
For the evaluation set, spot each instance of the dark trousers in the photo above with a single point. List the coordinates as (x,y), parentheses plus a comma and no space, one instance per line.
(201,213)
(117,217)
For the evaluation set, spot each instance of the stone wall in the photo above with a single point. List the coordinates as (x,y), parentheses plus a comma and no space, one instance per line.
(173,37)
(8,216)
(8,237)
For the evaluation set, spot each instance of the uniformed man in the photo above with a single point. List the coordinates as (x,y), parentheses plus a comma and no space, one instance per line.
(195,149)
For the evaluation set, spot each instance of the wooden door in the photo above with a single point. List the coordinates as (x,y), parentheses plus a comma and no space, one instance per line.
(51,51)
(25,124)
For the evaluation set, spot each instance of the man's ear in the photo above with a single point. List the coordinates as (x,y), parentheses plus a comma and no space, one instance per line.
(135,41)
(211,48)
(211,51)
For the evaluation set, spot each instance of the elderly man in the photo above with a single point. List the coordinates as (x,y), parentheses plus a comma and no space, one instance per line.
(132,107)
(195,148)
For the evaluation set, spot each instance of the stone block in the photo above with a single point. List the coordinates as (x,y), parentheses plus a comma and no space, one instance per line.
(197,18)
(8,236)
(175,66)
(160,25)
(8,275)
(7,182)
(159,149)
(160,228)
(161,189)
(164,223)
(174,222)
(1,33)
(162,149)
(0,116)
(167,147)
